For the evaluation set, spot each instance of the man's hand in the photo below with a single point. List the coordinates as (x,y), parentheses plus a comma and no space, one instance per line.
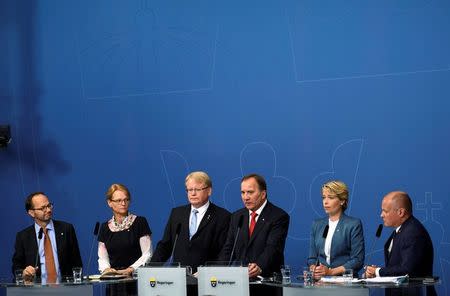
(370,271)
(254,270)
(320,271)
(29,273)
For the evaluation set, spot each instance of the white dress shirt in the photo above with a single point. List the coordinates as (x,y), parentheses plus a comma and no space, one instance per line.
(201,213)
(258,211)
(327,248)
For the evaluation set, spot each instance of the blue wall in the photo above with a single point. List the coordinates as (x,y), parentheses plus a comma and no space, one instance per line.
(142,92)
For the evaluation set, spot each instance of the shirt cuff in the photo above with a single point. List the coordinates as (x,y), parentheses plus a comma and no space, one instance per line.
(377,272)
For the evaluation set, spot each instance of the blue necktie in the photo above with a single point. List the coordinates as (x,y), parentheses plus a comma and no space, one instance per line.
(193,224)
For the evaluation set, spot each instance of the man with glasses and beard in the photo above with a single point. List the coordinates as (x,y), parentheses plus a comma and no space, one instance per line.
(56,252)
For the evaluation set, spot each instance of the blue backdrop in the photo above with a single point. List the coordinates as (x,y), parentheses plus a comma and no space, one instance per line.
(143,92)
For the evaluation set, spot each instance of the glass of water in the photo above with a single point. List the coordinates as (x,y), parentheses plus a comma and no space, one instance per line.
(18,274)
(308,279)
(348,276)
(285,274)
(77,271)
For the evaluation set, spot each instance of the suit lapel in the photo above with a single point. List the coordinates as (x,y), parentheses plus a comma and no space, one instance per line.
(245,226)
(387,255)
(336,239)
(209,215)
(59,236)
(397,237)
(34,242)
(185,220)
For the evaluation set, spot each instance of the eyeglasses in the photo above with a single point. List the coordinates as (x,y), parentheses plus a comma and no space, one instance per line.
(119,201)
(195,190)
(48,206)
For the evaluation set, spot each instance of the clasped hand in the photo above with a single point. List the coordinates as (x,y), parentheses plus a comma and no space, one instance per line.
(319,271)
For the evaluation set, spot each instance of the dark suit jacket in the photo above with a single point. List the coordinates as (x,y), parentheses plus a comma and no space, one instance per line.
(347,244)
(204,246)
(412,251)
(26,248)
(266,246)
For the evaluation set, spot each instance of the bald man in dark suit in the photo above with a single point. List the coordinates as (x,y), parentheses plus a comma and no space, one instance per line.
(409,249)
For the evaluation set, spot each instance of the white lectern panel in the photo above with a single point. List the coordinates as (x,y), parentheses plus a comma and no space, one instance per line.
(161,281)
(223,281)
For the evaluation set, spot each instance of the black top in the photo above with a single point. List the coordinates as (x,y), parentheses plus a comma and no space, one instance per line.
(123,246)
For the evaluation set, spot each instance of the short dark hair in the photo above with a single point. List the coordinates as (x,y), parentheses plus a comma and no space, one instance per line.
(29,200)
(259,179)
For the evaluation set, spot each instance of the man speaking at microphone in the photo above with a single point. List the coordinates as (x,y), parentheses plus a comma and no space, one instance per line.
(195,233)
(260,243)
(55,254)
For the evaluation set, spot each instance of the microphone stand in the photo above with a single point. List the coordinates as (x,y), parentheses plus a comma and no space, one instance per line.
(324,236)
(241,220)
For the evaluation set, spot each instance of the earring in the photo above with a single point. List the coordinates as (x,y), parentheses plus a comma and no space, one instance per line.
(342,203)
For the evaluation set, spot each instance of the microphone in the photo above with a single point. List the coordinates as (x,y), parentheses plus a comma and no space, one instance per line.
(239,226)
(39,244)
(177,233)
(379,230)
(377,235)
(97,225)
(324,236)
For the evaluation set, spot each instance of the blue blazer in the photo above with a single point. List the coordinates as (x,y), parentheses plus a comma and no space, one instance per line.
(347,244)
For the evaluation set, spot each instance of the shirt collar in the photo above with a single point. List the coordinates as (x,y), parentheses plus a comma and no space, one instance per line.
(49,226)
(334,223)
(201,210)
(258,211)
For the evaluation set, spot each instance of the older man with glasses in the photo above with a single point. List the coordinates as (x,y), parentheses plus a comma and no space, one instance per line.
(48,248)
(199,227)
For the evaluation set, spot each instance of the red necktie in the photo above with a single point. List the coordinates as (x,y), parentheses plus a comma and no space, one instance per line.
(252,223)
(49,259)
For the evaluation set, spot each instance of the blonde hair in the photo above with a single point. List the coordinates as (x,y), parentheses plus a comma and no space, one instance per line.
(114,187)
(340,189)
(200,177)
